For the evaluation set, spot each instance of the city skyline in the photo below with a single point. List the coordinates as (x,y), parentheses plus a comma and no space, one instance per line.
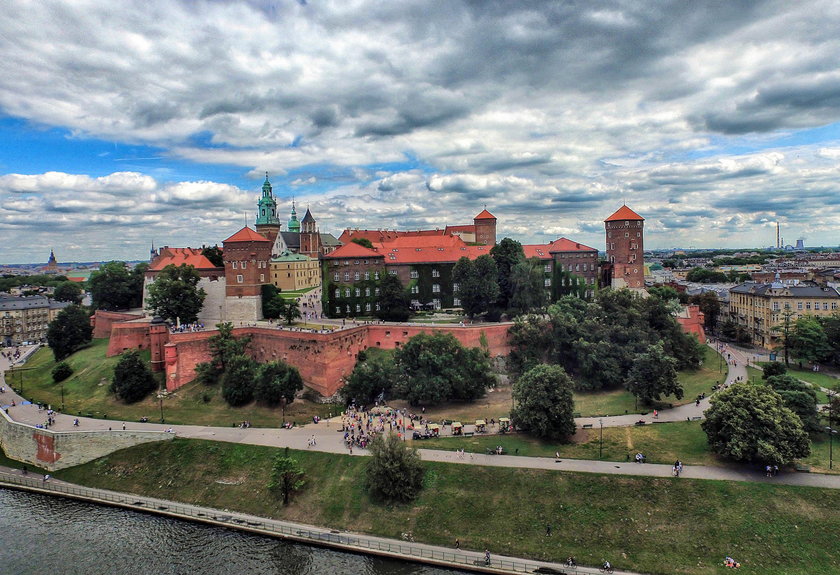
(157,122)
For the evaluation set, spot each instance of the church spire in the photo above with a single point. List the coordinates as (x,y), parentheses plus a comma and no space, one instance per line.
(294,224)
(267,206)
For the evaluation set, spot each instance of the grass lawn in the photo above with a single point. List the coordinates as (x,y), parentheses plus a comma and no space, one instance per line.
(819,458)
(86,392)
(621,401)
(649,525)
(661,443)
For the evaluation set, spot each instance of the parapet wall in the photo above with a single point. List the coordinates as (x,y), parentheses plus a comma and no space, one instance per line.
(53,450)
(103,321)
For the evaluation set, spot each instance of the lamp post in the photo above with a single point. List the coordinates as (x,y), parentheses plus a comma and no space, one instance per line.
(831,432)
(62,397)
(160,399)
(601,441)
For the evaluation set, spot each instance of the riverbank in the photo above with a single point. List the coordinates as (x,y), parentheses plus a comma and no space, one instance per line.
(643,524)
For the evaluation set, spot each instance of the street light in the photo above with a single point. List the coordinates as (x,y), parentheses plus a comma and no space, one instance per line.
(601,442)
(160,399)
(830,430)
(62,397)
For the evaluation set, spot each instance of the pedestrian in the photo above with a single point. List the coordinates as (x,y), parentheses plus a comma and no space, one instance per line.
(548,530)
(768,471)
(46,477)
(487,557)
(123,426)
(457,543)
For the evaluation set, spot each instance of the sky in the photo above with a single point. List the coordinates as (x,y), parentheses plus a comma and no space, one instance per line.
(123,125)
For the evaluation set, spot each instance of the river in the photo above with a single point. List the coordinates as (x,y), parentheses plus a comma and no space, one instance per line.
(41,535)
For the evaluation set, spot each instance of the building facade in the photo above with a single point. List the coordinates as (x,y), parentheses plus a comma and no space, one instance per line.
(625,266)
(292,272)
(25,319)
(763,309)
(211,278)
(247,257)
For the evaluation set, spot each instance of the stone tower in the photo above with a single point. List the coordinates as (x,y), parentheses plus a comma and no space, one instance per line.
(247,257)
(485,228)
(625,248)
(268,224)
(310,238)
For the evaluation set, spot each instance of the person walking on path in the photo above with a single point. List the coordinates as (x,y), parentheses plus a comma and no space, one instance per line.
(487,557)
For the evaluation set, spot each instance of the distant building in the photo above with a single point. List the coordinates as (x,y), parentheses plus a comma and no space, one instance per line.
(52,264)
(26,319)
(762,309)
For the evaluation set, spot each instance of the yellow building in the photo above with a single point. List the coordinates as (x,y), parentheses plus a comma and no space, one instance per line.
(292,272)
(25,319)
(762,308)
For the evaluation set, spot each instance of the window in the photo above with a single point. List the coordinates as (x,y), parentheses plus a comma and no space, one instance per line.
(775,306)
(347,276)
(233,264)
(455,287)
(456,302)
(377,307)
(356,262)
(825,305)
(376,275)
(358,308)
(262,278)
(367,275)
(436,303)
(376,293)
(547,282)
(367,306)
(347,294)
(415,289)
(356,276)
(244,265)
(338,309)
(392,272)
(336,277)
(435,288)
(414,274)
(833,305)
(367,292)
(807,305)
(799,305)
(358,292)
(239,278)
(366,263)
(547,268)
(337,292)
(347,262)
(577,267)
(435,273)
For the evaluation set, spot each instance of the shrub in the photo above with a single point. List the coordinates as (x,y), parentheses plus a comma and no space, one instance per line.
(61,371)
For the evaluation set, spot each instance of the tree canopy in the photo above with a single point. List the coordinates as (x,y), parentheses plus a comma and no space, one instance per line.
(394,472)
(750,422)
(478,286)
(286,477)
(68,291)
(133,380)
(114,287)
(275,382)
(507,253)
(69,331)
(544,405)
(372,377)
(175,295)
(238,380)
(528,281)
(809,340)
(653,375)
(394,303)
(214,254)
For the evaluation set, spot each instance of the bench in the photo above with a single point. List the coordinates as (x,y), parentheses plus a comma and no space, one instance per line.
(468,434)
(587,426)
(697,418)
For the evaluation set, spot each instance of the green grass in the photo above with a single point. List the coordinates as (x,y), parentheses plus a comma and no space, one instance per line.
(819,458)
(621,401)
(86,392)
(649,525)
(661,443)
(816,379)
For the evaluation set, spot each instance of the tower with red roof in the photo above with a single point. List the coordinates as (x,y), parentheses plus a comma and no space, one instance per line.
(247,257)
(485,228)
(625,249)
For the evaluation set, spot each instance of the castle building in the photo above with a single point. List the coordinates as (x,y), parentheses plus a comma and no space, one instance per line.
(482,231)
(247,257)
(268,224)
(292,272)
(625,265)
(211,278)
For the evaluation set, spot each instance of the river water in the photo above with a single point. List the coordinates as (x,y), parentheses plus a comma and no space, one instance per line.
(42,535)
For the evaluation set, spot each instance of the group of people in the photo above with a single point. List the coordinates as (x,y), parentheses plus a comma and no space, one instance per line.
(677,469)
(730,562)
(771,470)
(187,328)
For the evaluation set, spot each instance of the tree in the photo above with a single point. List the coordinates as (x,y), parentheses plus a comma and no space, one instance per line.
(394,473)
(112,287)
(394,303)
(773,368)
(238,380)
(507,253)
(809,340)
(372,377)
(277,381)
(528,280)
(214,254)
(223,348)
(544,403)
(710,306)
(61,371)
(750,422)
(133,380)
(787,333)
(286,477)
(799,397)
(175,294)
(69,331)
(653,375)
(364,242)
(477,283)
(68,291)
(433,368)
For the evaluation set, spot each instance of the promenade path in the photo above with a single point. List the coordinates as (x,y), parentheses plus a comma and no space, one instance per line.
(328,439)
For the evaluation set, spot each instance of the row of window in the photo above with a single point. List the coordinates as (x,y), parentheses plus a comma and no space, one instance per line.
(578,268)
(358,308)
(337,263)
(244,265)
(239,278)
(416,274)
(356,291)
(356,276)
(806,305)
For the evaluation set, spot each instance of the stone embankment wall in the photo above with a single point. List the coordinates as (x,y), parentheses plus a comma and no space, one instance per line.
(53,450)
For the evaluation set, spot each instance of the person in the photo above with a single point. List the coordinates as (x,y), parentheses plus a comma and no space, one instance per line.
(607,565)
(457,543)
(548,530)
(25,470)
(570,562)
(46,477)
(487,557)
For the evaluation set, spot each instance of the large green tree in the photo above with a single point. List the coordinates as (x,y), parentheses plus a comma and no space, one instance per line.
(372,377)
(544,406)
(809,340)
(507,253)
(528,280)
(68,291)
(394,303)
(433,368)
(710,306)
(214,254)
(799,397)
(133,380)
(750,422)
(238,380)
(478,286)
(275,382)
(113,287)
(175,295)
(69,331)
(286,477)
(653,375)
(394,472)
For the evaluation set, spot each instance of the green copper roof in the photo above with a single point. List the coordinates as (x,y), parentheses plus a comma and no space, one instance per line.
(294,224)
(267,206)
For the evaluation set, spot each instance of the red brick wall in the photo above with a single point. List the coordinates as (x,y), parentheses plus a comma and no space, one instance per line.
(103,321)
(694,322)
(134,335)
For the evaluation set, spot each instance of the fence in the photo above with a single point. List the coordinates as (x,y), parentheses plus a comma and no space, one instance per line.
(298,533)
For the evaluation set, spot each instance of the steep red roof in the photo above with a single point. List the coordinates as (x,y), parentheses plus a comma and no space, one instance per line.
(537,251)
(468,229)
(485,215)
(431,254)
(567,245)
(424,242)
(353,250)
(379,236)
(180,256)
(624,213)
(246,234)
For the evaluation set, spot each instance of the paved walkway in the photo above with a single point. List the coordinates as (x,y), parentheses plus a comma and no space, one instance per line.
(329,439)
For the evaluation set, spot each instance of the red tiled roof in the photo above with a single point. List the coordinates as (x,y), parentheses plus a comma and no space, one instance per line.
(246,234)
(469,229)
(624,213)
(431,254)
(567,245)
(352,250)
(379,236)
(537,251)
(180,256)
(424,242)
(485,215)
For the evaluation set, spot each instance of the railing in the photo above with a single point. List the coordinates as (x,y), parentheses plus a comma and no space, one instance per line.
(299,533)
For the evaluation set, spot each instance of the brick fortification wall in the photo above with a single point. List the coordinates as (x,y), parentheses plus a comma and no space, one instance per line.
(129,335)
(103,321)
(58,450)
(323,359)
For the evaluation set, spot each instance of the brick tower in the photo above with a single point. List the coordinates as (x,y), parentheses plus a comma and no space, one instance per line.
(625,249)
(485,228)
(310,238)
(247,257)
